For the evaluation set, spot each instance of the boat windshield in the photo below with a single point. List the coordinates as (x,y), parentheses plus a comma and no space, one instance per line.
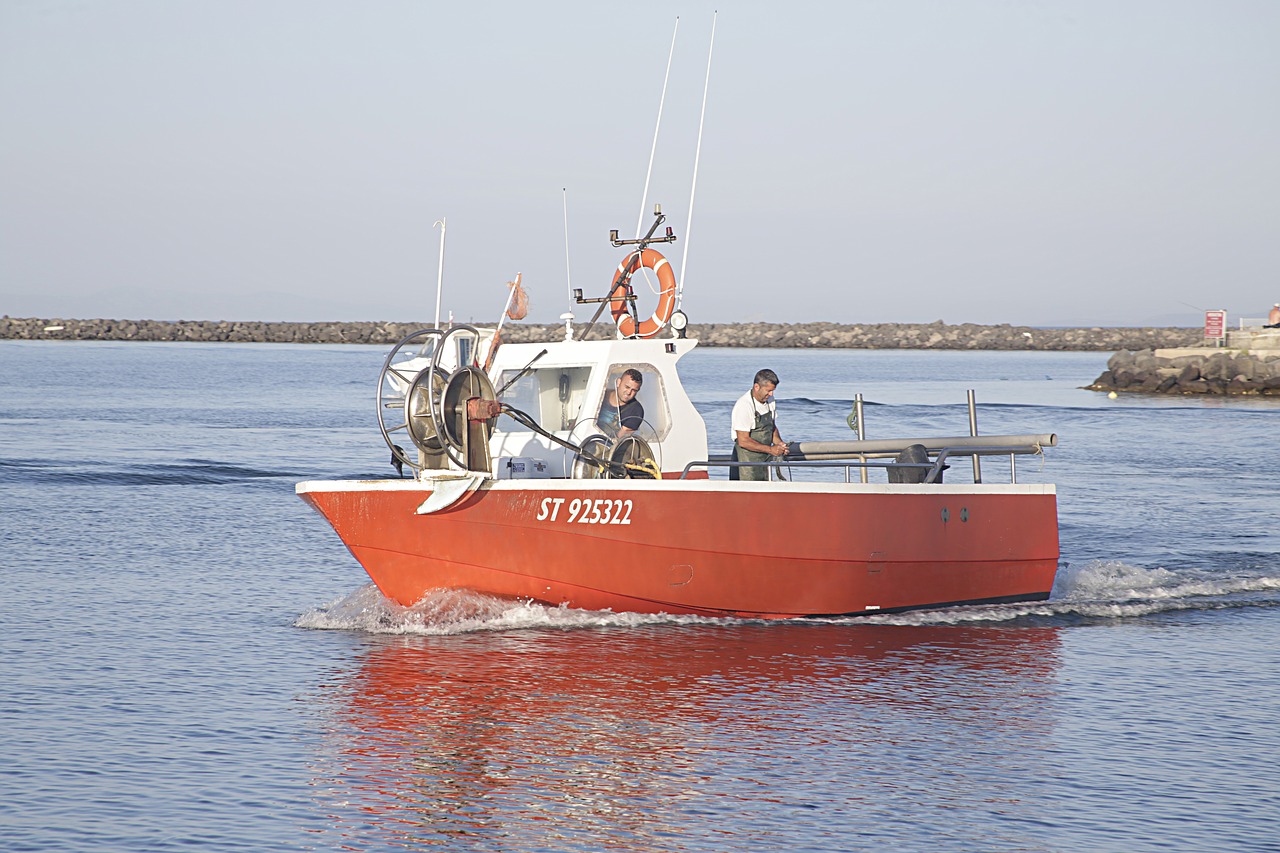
(652,396)
(551,395)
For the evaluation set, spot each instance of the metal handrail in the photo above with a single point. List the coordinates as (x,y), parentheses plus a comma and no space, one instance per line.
(724,463)
(935,468)
(1013,452)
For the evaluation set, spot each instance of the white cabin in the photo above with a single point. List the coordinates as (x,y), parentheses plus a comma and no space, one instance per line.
(562,386)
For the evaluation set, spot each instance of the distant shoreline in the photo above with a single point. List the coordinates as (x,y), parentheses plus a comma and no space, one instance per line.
(938,335)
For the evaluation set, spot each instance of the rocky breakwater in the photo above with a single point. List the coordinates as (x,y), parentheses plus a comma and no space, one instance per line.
(1220,372)
(936,335)
(203,331)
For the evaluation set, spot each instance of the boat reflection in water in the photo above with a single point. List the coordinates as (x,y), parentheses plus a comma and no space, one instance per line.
(668,737)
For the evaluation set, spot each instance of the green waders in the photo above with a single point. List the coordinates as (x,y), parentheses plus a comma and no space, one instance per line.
(762,433)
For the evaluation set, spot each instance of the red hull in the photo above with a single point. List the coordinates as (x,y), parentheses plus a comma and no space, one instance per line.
(710,548)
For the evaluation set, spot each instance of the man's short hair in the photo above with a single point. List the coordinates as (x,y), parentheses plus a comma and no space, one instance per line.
(634,375)
(766,377)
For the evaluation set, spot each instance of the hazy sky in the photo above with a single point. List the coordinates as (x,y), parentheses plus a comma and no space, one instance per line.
(1109,163)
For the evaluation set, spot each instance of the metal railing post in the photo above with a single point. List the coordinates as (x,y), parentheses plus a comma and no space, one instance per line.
(973,431)
(857,405)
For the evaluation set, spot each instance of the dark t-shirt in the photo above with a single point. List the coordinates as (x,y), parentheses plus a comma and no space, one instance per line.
(630,417)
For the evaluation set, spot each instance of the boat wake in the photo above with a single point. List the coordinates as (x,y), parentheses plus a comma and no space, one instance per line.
(1104,590)
(447,612)
(1101,590)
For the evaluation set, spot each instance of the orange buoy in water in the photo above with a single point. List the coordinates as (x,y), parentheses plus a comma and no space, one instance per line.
(653,260)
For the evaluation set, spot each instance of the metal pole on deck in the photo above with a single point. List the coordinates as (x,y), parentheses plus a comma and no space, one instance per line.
(857,407)
(973,431)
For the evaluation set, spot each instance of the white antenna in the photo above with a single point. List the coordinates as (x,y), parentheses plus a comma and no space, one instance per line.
(644,199)
(684,260)
(567,280)
(440,277)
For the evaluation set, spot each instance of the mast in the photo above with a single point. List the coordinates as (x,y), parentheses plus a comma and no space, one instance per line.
(644,198)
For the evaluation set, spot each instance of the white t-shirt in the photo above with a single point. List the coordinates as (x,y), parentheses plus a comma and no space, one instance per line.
(744,414)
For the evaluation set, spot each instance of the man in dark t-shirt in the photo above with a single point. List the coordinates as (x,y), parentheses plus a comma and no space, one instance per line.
(621,414)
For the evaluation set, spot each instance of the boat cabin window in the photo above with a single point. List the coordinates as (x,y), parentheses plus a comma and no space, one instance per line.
(551,395)
(652,396)
(465,345)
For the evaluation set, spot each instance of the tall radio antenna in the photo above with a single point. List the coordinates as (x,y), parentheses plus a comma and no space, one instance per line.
(684,259)
(644,198)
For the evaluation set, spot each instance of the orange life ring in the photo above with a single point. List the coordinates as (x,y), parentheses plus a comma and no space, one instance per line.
(649,259)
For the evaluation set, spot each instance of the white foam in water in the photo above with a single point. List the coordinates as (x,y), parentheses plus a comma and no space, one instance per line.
(1111,579)
(1098,589)
(1103,589)
(1120,583)
(460,612)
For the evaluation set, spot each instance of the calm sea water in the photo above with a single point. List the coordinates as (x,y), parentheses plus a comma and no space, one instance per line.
(190,659)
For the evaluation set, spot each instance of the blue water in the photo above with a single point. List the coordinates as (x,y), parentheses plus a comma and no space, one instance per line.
(190,659)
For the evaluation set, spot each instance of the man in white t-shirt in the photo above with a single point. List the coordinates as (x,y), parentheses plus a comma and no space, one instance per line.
(755,430)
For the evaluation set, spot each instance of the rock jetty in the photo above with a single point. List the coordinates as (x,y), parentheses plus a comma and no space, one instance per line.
(1211,371)
(936,335)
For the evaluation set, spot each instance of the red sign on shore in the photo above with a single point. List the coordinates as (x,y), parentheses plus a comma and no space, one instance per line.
(1215,324)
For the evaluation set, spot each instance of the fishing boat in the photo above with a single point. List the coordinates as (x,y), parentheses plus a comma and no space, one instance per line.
(518,482)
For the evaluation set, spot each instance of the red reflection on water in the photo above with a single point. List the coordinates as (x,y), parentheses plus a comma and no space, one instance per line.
(538,738)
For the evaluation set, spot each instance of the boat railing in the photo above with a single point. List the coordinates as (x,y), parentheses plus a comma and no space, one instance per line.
(879,459)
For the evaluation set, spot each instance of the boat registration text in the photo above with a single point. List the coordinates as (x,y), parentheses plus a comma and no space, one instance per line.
(588,511)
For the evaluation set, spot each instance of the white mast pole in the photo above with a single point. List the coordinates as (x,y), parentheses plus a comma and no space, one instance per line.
(644,198)
(440,276)
(568,281)
(684,260)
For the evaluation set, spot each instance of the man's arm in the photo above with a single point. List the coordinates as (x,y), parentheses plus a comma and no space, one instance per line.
(746,442)
(633,414)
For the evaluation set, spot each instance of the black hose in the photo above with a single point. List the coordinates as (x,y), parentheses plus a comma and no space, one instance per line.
(527,421)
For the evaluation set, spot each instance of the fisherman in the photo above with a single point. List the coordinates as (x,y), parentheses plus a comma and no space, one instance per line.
(755,430)
(621,413)
(1273,319)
